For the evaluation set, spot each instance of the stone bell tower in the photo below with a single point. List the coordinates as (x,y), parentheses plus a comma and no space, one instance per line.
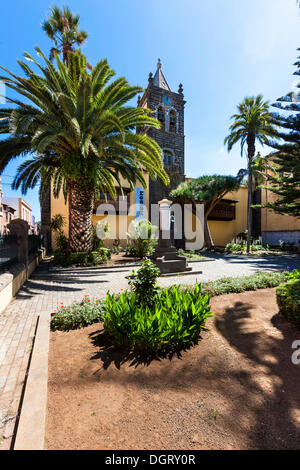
(168,108)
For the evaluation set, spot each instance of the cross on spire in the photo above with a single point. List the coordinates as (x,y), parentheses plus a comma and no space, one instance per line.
(159,78)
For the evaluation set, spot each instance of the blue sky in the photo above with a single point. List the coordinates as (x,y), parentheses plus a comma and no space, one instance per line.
(221,50)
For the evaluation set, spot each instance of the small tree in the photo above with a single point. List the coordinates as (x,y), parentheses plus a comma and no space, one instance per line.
(207,190)
(57,224)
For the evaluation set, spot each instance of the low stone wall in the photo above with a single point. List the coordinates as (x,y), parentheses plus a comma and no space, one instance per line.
(12,280)
(273,238)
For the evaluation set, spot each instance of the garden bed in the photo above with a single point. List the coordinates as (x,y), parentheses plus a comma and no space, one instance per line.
(236,389)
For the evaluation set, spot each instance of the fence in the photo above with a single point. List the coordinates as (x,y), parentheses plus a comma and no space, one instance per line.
(8,250)
(34,244)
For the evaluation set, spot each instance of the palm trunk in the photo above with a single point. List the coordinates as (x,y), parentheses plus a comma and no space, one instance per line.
(81,204)
(251,153)
(249,211)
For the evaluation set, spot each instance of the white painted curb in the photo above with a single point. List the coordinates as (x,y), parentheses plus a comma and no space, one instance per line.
(31,427)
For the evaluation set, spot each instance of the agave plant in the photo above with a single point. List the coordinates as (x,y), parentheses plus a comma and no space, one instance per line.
(78,130)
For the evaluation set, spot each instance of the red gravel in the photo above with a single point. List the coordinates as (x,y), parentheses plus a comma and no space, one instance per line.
(236,389)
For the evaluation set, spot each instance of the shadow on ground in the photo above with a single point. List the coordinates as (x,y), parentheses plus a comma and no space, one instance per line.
(110,354)
(273,390)
(243,367)
(261,263)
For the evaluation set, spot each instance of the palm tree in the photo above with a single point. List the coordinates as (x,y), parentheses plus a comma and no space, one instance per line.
(78,129)
(62,28)
(252,123)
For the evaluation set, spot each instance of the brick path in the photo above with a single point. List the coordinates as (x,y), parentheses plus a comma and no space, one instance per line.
(44,291)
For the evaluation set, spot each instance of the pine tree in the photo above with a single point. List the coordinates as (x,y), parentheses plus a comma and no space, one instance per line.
(285,183)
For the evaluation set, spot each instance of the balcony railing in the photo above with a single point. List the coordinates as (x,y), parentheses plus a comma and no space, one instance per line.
(223,211)
(118,207)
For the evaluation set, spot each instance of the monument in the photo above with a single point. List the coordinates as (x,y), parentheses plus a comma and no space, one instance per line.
(166,256)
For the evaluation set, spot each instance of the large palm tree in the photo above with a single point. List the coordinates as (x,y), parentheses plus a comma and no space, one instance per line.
(252,123)
(78,129)
(62,27)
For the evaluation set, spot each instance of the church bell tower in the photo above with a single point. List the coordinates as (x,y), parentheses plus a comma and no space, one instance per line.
(168,108)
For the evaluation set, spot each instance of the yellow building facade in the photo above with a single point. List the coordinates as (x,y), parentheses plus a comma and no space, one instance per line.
(119,217)
(277,227)
(119,220)
(224,231)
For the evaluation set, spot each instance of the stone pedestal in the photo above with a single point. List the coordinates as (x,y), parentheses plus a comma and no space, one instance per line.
(166,256)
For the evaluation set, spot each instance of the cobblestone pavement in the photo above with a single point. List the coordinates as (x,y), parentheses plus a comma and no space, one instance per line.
(44,291)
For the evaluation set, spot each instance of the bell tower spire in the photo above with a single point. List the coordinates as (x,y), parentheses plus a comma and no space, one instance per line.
(168,108)
(159,79)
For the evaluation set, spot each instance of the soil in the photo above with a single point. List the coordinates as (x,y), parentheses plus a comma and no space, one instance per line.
(236,389)
(120,258)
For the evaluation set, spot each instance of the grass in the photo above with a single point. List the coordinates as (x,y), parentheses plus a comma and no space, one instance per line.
(232,285)
(191,255)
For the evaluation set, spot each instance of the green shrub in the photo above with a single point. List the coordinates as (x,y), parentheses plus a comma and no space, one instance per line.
(288,299)
(116,246)
(131,251)
(242,248)
(94,258)
(142,238)
(62,242)
(191,254)
(79,259)
(78,315)
(288,246)
(229,285)
(235,248)
(174,321)
(259,248)
(60,258)
(294,274)
(105,254)
(144,282)
(97,242)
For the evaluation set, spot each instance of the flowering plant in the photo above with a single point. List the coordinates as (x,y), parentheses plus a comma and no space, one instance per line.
(78,315)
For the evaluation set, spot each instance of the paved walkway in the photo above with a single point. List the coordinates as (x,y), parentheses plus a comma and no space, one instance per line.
(44,291)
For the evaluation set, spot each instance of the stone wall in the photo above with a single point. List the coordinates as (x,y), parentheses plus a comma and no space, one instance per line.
(12,280)
(273,238)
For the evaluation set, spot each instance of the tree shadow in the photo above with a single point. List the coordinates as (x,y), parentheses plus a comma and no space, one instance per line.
(242,369)
(262,262)
(273,391)
(110,354)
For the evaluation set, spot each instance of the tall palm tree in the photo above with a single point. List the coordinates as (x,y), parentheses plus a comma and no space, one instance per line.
(62,28)
(81,130)
(252,123)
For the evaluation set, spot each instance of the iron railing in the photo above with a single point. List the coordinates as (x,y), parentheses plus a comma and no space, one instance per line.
(8,251)
(34,244)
